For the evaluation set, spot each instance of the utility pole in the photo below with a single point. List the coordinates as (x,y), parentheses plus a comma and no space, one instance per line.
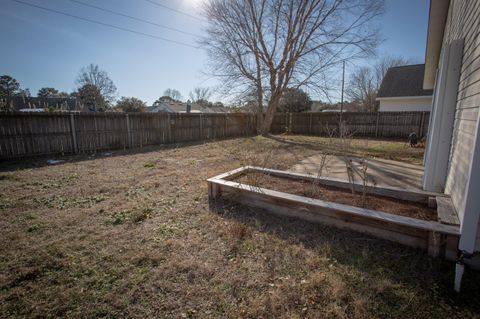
(341,101)
(343,86)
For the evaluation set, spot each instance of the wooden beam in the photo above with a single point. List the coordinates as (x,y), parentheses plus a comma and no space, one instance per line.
(398,193)
(230,174)
(338,210)
(437,239)
(74,134)
(446,211)
(434,244)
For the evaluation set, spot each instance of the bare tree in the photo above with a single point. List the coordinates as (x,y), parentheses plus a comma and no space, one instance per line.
(267,46)
(92,75)
(363,88)
(200,94)
(365,81)
(386,62)
(174,94)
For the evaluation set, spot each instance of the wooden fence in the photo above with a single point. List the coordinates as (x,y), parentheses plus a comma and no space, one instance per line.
(379,124)
(25,135)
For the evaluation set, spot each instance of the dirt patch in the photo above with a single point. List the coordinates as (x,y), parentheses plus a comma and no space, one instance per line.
(338,195)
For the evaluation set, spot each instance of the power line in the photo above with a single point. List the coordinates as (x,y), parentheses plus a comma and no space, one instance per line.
(104,24)
(175,10)
(133,18)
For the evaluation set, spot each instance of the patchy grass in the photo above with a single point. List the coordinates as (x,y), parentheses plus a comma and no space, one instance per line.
(133,235)
(136,215)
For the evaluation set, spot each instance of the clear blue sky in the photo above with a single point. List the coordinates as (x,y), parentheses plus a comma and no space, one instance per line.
(41,48)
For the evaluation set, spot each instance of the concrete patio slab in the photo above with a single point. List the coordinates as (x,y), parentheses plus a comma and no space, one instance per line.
(380,171)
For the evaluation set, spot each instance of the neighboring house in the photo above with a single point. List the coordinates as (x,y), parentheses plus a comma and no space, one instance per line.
(24,104)
(402,90)
(333,111)
(319,106)
(452,159)
(180,107)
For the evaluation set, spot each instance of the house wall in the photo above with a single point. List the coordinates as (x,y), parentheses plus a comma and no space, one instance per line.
(407,104)
(463,22)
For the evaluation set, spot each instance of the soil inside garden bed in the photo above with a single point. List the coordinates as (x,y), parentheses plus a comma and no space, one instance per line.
(338,195)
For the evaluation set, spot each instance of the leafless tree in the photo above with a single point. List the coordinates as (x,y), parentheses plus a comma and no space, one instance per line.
(92,75)
(266,46)
(200,94)
(174,94)
(365,81)
(363,88)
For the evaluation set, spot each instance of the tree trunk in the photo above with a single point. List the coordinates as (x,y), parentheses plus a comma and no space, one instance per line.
(259,92)
(259,122)
(272,107)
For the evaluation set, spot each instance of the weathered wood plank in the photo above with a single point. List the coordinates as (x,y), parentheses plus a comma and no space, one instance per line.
(408,195)
(337,210)
(231,174)
(446,211)
(437,239)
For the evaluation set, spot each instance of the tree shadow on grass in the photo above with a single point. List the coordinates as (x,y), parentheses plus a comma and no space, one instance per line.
(285,139)
(377,258)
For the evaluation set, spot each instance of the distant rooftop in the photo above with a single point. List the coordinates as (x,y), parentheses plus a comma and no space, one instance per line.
(406,80)
(63,103)
(181,107)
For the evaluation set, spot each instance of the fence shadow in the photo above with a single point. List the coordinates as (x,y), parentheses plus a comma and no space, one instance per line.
(43,160)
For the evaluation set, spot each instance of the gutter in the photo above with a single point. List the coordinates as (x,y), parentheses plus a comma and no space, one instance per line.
(436,27)
(423,97)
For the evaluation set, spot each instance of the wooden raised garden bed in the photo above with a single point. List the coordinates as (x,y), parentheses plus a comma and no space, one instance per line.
(418,219)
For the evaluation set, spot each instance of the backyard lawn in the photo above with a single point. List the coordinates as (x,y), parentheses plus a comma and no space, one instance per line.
(132,234)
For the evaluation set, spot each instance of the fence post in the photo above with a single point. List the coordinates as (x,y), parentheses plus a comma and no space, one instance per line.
(129,136)
(420,129)
(376,125)
(225,125)
(310,124)
(169,129)
(97,138)
(290,122)
(286,122)
(74,134)
(201,127)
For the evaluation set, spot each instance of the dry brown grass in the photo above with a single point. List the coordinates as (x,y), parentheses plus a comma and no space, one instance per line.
(133,235)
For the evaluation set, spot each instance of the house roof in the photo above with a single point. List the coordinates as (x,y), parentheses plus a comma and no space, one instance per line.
(64,103)
(179,107)
(402,81)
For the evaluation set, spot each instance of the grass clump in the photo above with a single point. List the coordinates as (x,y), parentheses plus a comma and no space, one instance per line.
(35,227)
(60,202)
(131,215)
(164,231)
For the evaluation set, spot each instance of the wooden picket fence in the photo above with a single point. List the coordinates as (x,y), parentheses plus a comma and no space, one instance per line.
(38,134)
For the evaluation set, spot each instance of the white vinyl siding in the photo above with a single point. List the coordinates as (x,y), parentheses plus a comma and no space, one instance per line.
(406,104)
(463,22)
